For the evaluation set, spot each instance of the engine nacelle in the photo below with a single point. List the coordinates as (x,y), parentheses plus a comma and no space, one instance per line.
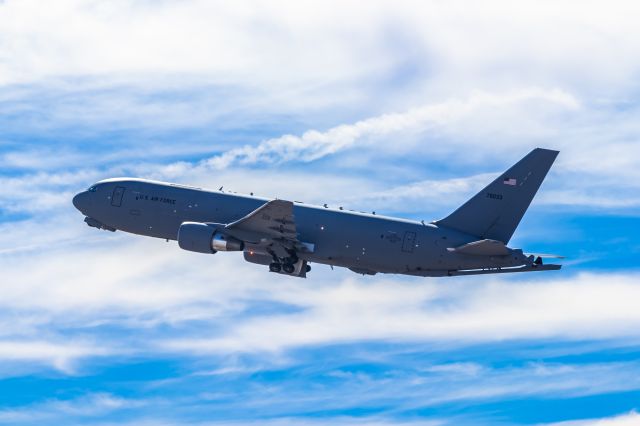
(203,238)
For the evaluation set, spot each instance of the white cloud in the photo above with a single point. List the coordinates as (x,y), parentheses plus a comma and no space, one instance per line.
(289,42)
(408,390)
(425,196)
(630,419)
(488,84)
(465,124)
(59,355)
(84,275)
(464,86)
(582,307)
(229,41)
(313,145)
(309,61)
(56,411)
(101,279)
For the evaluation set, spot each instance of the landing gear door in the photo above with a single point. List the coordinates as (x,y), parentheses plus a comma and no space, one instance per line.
(116,198)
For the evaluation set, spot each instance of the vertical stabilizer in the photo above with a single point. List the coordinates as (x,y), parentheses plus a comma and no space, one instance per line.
(495,212)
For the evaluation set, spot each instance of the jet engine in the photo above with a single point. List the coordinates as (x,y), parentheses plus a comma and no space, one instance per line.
(205,238)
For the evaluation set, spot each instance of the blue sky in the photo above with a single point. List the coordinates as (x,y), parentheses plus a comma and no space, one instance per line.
(406,108)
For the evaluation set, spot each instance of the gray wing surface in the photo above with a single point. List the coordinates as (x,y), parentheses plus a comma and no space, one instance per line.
(271,222)
(271,234)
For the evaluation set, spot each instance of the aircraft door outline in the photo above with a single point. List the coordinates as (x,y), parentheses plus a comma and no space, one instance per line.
(409,242)
(116,197)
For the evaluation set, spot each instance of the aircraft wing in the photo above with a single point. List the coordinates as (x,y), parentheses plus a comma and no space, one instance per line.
(270,223)
(274,219)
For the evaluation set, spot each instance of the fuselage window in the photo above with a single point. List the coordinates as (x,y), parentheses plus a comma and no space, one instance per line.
(92,189)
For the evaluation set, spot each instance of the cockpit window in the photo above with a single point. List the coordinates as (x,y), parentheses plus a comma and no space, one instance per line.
(92,189)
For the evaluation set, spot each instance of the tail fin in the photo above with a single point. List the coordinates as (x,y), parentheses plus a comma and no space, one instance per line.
(495,212)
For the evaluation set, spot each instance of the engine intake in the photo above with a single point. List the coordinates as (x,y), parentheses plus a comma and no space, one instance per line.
(204,238)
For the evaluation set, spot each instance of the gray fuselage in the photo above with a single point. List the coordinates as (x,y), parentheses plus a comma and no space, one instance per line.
(365,243)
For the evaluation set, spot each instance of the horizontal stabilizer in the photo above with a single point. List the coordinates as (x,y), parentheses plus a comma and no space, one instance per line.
(532,268)
(482,248)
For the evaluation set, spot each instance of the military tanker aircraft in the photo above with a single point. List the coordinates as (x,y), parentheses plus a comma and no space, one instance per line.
(287,235)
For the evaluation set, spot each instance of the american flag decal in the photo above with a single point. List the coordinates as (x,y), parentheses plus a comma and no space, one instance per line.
(510,181)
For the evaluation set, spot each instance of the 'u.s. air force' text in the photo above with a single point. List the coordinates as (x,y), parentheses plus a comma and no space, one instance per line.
(155,198)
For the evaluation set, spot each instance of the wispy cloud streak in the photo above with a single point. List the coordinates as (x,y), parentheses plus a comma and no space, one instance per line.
(313,145)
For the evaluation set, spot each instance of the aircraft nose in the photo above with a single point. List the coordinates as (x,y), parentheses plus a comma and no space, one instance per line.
(81,201)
